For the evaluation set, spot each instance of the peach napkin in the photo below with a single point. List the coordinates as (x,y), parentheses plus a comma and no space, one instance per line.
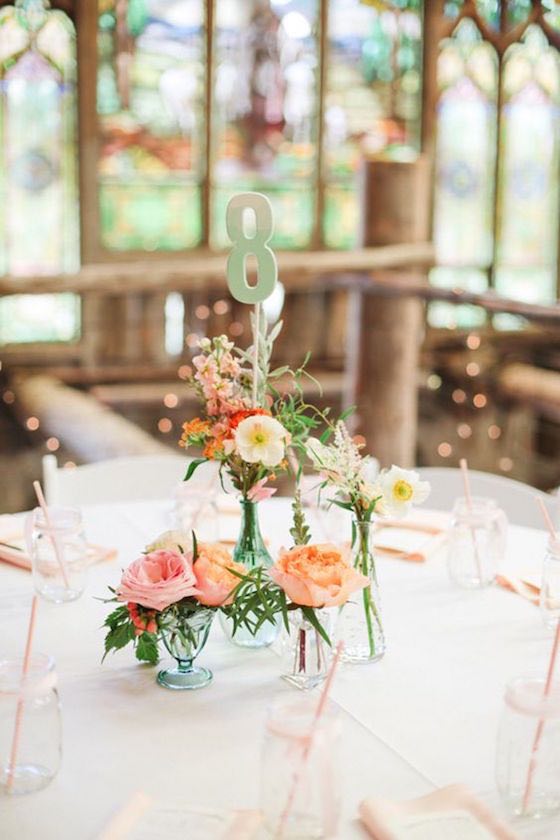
(416,538)
(530,591)
(452,811)
(14,551)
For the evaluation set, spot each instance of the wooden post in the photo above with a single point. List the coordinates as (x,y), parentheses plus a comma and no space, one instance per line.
(385,342)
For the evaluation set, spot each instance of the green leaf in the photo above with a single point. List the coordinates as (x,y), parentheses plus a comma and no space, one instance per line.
(194,547)
(147,648)
(118,637)
(310,615)
(192,467)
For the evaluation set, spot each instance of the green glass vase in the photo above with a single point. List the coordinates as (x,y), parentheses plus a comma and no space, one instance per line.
(250,550)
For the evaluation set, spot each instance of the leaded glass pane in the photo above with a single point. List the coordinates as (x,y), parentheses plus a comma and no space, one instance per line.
(466,150)
(528,172)
(372,99)
(33,318)
(38,179)
(150,100)
(37,145)
(265,112)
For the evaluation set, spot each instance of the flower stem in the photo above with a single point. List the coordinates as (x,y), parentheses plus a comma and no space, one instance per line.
(368,601)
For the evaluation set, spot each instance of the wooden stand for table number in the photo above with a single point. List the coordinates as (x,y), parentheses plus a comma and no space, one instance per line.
(244,246)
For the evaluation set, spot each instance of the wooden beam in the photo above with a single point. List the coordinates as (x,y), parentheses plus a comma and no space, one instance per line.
(88,429)
(205,270)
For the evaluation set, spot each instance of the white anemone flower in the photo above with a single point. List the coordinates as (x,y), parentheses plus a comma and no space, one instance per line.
(401,489)
(261,440)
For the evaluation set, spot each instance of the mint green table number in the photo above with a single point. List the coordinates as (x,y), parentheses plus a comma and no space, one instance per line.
(256,245)
(244,246)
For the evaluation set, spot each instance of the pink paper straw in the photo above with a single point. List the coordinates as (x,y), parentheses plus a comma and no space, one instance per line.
(54,540)
(468,496)
(19,710)
(549,678)
(309,738)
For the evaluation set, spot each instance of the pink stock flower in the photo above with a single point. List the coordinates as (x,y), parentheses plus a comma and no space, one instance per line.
(260,493)
(317,575)
(157,580)
(215,583)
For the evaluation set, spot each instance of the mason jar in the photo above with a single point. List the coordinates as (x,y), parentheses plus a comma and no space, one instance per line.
(58,556)
(550,587)
(477,541)
(30,725)
(528,748)
(300,784)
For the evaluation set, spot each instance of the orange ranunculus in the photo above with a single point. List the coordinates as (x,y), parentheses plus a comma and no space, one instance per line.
(214,447)
(197,426)
(214,581)
(317,575)
(236,418)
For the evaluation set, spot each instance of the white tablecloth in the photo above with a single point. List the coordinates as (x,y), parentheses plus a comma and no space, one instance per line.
(425,716)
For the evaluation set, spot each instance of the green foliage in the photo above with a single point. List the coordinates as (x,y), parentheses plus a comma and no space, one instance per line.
(147,648)
(121,629)
(257,599)
(300,529)
(193,466)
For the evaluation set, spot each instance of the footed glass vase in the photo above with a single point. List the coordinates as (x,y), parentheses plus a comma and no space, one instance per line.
(252,552)
(359,622)
(184,635)
(305,654)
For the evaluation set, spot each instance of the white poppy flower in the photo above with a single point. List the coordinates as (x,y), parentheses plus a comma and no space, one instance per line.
(401,489)
(261,440)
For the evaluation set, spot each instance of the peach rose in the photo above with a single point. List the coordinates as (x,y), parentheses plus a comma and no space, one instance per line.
(317,575)
(157,580)
(214,581)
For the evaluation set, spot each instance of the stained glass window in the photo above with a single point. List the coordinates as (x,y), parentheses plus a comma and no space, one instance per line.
(372,99)
(265,112)
(528,182)
(39,234)
(150,99)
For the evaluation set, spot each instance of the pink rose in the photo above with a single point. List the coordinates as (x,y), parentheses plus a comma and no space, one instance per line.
(214,581)
(157,580)
(317,575)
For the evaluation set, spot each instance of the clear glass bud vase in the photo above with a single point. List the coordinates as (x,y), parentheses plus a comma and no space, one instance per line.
(359,622)
(184,635)
(251,551)
(305,654)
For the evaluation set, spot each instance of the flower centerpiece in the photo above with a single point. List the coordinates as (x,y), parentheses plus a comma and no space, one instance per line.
(357,488)
(170,595)
(302,586)
(252,430)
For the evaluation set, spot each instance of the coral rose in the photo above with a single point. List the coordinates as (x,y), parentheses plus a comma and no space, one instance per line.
(157,580)
(214,581)
(317,575)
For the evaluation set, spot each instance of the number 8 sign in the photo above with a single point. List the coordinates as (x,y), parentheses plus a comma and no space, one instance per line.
(244,245)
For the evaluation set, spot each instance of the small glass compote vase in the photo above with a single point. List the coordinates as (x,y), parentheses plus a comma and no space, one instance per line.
(184,633)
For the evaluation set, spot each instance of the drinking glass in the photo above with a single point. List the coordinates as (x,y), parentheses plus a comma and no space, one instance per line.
(196,509)
(30,727)
(528,749)
(58,556)
(477,541)
(550,587)
(300,788)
